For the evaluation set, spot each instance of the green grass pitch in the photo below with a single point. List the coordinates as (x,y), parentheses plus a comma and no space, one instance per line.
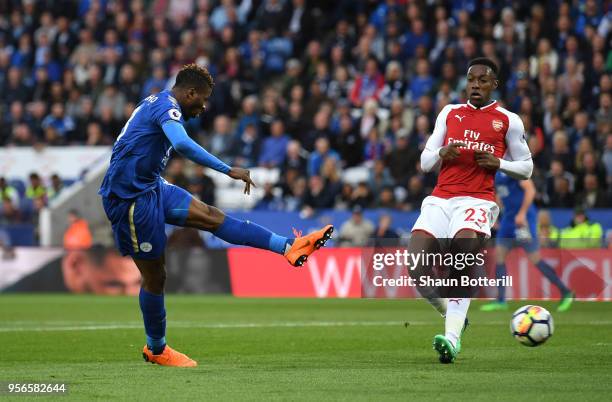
(297,349)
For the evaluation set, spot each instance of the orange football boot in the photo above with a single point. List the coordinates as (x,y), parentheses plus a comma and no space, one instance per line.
(303,246)
(169,357)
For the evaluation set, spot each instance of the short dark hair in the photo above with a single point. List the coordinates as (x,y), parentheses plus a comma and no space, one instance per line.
(484,61)
(194,76)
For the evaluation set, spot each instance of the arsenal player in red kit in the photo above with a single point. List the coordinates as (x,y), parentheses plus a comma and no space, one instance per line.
(470,142)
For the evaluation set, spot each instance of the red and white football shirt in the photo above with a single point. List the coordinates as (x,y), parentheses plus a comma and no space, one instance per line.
(490,128)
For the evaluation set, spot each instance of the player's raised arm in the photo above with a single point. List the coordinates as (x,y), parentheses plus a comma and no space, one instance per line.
(187,147)
(518,164)
(178,137)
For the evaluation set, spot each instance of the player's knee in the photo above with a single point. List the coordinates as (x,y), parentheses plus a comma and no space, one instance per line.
(533,257)
(154,281)
(205,217)
(467,241)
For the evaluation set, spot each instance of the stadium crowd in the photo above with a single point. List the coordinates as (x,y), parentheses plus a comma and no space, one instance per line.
(313,87)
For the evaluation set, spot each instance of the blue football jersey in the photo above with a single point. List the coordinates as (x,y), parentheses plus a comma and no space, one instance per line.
(142,150)
(511,194)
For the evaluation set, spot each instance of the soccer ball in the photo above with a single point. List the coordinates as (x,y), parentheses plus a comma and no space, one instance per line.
(531,325)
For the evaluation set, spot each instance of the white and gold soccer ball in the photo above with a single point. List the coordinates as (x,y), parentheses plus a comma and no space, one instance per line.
(532,325)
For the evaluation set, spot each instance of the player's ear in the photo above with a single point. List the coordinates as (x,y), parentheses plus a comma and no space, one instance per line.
(73,270)
(495,83)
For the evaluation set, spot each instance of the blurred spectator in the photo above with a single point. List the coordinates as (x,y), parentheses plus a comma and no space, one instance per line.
(384,234)
(77,236)
(294,199)
(56,188)
(331,174)
(350,142)
(220,142)
(57,121)
(246,147)
(317,196)
(556,172)
(8,192)
(402,159)
(582,233)
(362,196)
(592,195)
(379,177)
(548,234)
(321,153)
(423,82)
(416,194)
(369,118)
(274,148)
(296,158)
(357,231)
(175,172)
(36,189)
(562,195)
(270,201)
(386,199)
(374,148)
(205,186)
(367,85)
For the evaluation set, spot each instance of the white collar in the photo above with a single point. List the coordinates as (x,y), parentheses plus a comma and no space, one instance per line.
(481,108)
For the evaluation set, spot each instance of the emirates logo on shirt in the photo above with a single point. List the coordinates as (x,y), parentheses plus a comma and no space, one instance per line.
(472,140)
(497,125)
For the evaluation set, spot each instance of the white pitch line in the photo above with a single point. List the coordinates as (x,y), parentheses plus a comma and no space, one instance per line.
(209,326)
(92,326)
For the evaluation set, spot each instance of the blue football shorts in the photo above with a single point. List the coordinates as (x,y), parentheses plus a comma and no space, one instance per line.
(139,223)
(509,237)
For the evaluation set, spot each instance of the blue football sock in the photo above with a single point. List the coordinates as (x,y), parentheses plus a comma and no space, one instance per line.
(552,276)
(154,316)
(500,271)
(247,233)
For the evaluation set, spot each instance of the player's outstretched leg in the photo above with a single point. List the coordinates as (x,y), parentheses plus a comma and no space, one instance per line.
(567,296)
(296,250)
(151,299)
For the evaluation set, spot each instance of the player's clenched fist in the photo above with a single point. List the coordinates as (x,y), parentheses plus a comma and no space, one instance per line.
(451,151)
(244,175)
(486,160)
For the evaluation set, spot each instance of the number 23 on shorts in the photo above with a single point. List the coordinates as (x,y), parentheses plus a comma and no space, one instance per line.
(478,215)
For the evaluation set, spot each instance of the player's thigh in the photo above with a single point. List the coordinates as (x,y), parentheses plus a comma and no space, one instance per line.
(506,235)
(434,218)
(176,202)
(182,209)
(138,225)
(469,213)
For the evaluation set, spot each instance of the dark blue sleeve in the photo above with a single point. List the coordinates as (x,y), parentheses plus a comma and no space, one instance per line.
(175,132)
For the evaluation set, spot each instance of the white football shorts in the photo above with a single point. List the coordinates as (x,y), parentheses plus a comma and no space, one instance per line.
(443,218)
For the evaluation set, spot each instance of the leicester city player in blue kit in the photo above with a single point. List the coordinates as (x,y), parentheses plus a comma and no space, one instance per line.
(138,202)
(518,229)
